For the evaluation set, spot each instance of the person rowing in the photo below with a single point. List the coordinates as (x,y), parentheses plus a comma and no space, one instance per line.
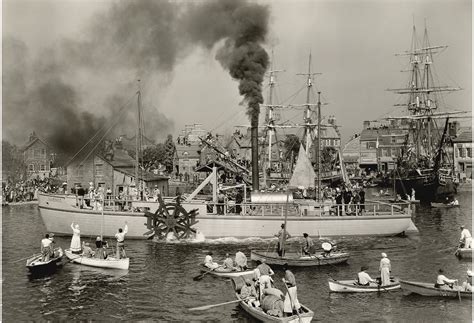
(467,285)
(444,282)
(291,304)
(209,263)
(363,278)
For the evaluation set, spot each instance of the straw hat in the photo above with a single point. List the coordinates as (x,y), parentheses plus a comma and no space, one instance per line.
(384,255)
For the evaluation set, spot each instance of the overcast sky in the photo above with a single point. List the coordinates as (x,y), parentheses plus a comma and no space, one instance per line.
(352,42)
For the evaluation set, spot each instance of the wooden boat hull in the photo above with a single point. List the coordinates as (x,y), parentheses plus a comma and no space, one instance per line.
(228,274)
(260,315)
(349,286)
(110,262)
(426,289)
(295,260)
(443,206)
(57,214)
(36,266)
(465,253)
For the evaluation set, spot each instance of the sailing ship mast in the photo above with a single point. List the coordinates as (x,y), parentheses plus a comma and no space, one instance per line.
(138,141)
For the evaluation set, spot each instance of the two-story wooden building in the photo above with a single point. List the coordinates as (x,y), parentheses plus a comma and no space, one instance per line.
(38,156)
(117,172)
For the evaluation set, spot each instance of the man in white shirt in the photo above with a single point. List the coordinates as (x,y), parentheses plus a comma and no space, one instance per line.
(444,282)
(120,236)
(46,248)
(466,237)
(364,278)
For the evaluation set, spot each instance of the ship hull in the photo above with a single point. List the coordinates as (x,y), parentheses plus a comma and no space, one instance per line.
(426,189)
(58,217)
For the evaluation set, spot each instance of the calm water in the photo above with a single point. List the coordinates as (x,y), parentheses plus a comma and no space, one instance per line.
(159,285)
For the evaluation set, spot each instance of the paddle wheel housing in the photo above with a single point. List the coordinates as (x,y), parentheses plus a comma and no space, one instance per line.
(171,217)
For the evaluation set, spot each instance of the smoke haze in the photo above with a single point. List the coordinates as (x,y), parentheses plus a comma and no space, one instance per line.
(72,89)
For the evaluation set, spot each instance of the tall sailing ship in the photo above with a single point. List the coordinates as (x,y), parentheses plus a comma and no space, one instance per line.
(424,164)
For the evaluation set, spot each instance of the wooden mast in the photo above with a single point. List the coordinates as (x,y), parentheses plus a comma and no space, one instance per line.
(138,140)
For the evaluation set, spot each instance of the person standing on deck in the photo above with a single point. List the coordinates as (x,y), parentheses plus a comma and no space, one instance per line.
(362,200)
(291,304)
(46,248)
(307,244)
(282,235)
(120,236)
(385,269)
(466,237)
(76,239)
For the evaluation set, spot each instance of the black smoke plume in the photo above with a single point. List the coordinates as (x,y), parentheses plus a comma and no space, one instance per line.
(72,89)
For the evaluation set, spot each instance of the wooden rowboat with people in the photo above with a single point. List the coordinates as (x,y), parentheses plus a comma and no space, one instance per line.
(352,286)
(222,272)
(429,289)
(36,265)
(109,262)
(294,259)
(464,253)
(258,313)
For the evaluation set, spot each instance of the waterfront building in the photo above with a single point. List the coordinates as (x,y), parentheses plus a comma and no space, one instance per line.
(187,158)
(38,156)
(462,155)
(116,171)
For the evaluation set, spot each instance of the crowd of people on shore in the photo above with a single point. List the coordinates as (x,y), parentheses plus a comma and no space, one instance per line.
(27,190)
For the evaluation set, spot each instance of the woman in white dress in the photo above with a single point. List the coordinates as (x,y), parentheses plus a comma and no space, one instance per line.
(76,238)
(385,269)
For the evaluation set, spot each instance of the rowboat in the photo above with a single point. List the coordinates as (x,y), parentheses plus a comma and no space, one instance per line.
(428,289)
(110,262)
(351,286)
(259,314)
(297,260)
(220,272)
(36,266)
(443,205)
(465,253)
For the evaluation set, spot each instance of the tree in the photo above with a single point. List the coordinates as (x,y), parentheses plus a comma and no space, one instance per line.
(12,162)
(292,145)
(170,150)
(153,156)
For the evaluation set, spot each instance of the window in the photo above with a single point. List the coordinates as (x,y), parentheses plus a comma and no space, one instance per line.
(43,152)
(42,168)
(371,145)
(462,152)
(31,167)
(99,169)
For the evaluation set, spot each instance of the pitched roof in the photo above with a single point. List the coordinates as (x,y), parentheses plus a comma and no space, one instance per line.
(145,176)
(31,142)
(121,159)
(464,136)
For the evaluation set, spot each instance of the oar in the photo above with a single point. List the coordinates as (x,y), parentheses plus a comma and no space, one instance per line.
(459,293)
(200,276)
(203,308)
(11,262)
(291,300)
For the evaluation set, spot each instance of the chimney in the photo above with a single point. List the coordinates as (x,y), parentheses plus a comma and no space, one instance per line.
(32,136)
